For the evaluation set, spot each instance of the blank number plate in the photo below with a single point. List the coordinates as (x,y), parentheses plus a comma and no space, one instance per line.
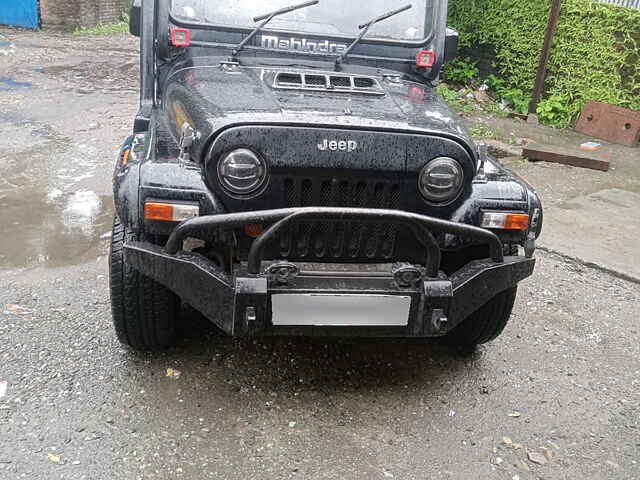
(331,310)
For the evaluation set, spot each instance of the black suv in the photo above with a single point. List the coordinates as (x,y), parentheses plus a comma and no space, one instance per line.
(292,171)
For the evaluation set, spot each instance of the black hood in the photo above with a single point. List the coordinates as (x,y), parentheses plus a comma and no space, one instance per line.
(213,98)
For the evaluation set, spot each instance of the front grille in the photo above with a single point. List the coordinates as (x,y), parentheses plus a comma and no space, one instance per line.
(333,240)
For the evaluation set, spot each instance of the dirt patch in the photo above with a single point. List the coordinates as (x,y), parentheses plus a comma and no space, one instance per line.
(91,76)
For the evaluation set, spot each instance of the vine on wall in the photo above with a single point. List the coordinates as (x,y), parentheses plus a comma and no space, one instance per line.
(595,55)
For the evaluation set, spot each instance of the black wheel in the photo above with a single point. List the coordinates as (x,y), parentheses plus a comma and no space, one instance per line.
(486,323)
(144,312)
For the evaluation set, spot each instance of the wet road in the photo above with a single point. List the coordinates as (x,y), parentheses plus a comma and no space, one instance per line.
(64,108)
(557,396)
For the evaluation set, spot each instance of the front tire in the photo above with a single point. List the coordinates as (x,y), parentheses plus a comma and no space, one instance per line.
(144,312)
(486,323)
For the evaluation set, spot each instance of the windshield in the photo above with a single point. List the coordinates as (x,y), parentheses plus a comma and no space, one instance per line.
(330,17)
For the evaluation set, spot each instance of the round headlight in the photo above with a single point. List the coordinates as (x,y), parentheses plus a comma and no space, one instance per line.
(441,180)
(241,171)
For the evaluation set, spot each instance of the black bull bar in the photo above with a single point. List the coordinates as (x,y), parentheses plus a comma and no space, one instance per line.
(241,303)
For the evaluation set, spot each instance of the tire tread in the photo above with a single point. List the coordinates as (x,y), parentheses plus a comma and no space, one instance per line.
(144,312)
(488,322)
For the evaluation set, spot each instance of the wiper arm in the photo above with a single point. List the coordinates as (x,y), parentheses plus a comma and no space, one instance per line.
(365,28)
(267,18)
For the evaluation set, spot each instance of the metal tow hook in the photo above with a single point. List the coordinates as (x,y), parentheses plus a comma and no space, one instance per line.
(407,275)
(439,320)
(282,272)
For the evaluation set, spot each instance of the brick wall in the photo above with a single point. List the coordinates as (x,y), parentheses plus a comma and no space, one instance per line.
(70,14)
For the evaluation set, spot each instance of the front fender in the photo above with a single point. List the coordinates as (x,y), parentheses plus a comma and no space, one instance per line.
(499,189)
(126,183)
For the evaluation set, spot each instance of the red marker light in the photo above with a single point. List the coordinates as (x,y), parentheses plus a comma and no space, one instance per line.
(426,58)
(416,95)
(180,37)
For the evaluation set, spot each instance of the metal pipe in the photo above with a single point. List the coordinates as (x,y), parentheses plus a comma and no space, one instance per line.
(554,14)
(200,226)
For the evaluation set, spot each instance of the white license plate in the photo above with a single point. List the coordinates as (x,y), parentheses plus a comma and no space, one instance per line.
(332,310)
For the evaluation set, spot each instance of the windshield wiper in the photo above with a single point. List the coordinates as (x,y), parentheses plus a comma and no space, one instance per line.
(267,18)
(365,28)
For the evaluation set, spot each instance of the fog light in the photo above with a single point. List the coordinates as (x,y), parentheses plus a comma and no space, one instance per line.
(242,172)
(505,221)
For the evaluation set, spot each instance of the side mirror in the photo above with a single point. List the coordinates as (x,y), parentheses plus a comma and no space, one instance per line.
(450,45)
(135,17)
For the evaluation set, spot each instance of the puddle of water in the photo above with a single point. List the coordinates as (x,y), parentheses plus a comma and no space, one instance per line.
(4,43)
(53,229)
(11,84)
(50,214)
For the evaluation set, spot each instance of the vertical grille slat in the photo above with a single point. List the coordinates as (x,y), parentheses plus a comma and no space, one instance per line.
(333,240)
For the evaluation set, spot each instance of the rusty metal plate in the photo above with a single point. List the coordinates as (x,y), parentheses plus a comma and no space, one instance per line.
(567,156)
(614,124)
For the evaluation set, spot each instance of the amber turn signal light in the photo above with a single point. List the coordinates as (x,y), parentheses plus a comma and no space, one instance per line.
(505,221)
(170,212)
(124,160)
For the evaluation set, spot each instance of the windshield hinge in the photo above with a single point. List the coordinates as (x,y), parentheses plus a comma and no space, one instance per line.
(188,137)
(481,176)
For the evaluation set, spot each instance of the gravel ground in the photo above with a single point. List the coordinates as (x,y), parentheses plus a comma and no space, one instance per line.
(562,381)
(556,397)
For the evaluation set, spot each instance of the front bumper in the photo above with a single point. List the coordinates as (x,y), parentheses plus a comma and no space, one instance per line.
(243,303)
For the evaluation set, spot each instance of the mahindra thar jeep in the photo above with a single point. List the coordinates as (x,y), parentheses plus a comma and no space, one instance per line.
(293,171)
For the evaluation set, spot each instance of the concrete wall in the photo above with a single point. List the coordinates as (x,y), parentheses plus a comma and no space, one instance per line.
(69,14)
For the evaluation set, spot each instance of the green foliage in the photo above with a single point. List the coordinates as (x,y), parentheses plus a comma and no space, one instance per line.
(496,83)
(482,131)
(553,111)
(516,99)
(458,100)
(595,56)
(120,27)
(455,99)
(495,109)
(464,102)
(461,71)
(449,95)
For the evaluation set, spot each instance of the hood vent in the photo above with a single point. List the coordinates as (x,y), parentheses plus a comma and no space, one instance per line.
(327,83)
